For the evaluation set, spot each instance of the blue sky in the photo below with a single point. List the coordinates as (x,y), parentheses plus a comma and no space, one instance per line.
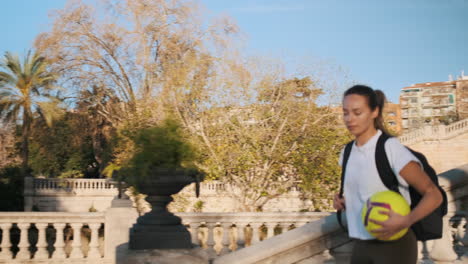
(385,44)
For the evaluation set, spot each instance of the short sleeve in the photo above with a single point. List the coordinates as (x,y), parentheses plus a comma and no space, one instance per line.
(399,156)
(340,160)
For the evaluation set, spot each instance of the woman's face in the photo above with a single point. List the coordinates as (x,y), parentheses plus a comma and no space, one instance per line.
(357,115)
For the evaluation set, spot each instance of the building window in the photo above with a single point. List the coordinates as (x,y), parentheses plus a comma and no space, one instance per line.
(391,123)
(414,100)
(391,114)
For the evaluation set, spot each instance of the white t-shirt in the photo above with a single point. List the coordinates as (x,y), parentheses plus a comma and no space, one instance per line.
(362,179)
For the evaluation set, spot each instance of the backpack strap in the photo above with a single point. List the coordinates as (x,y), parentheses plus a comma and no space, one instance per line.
(346,153)
(383,165)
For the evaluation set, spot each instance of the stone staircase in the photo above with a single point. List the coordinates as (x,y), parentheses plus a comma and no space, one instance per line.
(435,132)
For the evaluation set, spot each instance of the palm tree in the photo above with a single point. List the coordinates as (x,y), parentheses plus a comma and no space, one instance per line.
(25,89)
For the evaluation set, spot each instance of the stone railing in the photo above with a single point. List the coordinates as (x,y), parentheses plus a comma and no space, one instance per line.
(324,241)
(220,233)
(83,195)
(52,237)
(435,132)
(69,195)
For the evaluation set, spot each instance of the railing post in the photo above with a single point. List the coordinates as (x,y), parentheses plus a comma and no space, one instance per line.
(225,240)
(270,229)
(28,193)
(442,249)
(59,244)
(194,229)
(464,239)
(76,245)
(94,243)
(6,243)
(240,235)
(23,245)
(118,220)
(41,245)
(423,251)
(210,242)
(255,233)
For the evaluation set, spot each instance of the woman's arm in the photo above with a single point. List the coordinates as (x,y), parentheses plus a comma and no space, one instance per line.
(415,176)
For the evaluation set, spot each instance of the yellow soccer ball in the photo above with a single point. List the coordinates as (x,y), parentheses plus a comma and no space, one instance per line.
(384,201)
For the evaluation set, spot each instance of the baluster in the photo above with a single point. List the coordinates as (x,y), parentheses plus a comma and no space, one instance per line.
(225,241)
(59,252)
(23,245)
(5,245)
(41,245)
(442,250)
(464,239)
(255,232)
(283,227)
(270,229)
(462,231)
(76,245)
(240,235)
(194,229)
(210,242)
(94,243)
(423,253)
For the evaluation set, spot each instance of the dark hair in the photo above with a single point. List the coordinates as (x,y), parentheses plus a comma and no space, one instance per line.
(375,99)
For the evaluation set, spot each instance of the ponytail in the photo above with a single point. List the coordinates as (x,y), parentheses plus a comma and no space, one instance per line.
(375,99)
(380,103)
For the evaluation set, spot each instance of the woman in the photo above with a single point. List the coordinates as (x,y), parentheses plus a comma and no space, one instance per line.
(362,113)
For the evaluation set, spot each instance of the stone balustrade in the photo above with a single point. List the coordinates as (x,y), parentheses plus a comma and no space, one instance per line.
(42,237)
(68,195)
(435,132)
(220,233)
(67,184)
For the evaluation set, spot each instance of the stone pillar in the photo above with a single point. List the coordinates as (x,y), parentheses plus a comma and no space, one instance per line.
(23,245)
(210,242)
(76,245)
(270,229)
(5,245)
(226,238)
(118,220)
(240,235)
(28,193)
(59,244)
(94,243)
(41,245)
(255,232)
(194,229)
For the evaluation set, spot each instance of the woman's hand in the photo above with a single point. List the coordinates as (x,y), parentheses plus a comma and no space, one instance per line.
(394,224)
(338,203)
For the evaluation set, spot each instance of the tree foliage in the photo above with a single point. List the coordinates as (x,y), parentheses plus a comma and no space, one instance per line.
(63,149)
(128,65)
(25,89)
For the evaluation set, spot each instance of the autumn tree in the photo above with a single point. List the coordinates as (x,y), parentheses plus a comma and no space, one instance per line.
(121,59)
(257,128)
(144,60)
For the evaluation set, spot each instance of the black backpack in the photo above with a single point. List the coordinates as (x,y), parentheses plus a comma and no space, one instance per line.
(427,228)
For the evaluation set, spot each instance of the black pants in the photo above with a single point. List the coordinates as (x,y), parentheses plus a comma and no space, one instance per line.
(401,251)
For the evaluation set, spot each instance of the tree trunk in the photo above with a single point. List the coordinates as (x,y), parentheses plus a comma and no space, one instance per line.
(25,143)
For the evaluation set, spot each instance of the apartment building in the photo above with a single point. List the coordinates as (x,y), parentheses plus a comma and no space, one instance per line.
(462,97)
(434,103)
